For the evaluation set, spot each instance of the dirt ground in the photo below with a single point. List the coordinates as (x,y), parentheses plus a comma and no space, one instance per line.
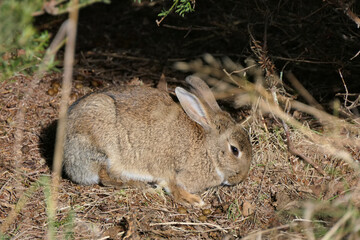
(121,44)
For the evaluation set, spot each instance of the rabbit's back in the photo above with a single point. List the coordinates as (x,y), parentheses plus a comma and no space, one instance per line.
(153,133)
(122,128)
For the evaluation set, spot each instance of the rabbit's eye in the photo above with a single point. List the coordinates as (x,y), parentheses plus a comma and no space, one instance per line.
(234,150)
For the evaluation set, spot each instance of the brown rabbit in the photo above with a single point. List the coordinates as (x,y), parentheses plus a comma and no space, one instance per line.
(140,134)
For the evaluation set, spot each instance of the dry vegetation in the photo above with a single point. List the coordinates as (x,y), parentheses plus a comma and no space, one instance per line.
(304,179)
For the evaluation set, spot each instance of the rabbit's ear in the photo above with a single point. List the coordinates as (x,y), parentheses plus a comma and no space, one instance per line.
(193,107)
(201,89)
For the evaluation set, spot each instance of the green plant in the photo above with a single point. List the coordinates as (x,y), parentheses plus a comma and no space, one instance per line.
(181,7)
(234,211)
(22,47)
(53,225)
(4,237)
(69,225)
(185,6)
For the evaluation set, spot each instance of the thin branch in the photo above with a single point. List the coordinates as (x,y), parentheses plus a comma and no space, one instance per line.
(71,30)
(345,6)
(346,89)
(158,22)
(353,16)
(291,149)
(190,28)
(334,229)
(357,54)
(306,95)
(189,223)
(295,152)
(258,233)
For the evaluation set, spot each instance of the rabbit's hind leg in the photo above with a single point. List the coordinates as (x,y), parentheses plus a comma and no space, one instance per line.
(107,179)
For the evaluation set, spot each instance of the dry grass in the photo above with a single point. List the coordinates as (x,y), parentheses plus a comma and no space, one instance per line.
(327,143)
(274,197)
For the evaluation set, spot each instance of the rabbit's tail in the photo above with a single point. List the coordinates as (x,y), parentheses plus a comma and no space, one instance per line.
(82,162)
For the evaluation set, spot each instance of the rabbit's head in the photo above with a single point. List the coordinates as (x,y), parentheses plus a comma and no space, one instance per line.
(227,143)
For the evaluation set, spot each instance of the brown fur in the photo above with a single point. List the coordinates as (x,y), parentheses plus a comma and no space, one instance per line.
(140,134)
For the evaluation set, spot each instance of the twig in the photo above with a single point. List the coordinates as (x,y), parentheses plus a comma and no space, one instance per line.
(121,56)
(158,22)
(329,234)
(56,7)
(300,60)
(238,71)
(346,8)
(302,156)
(189,223)
(131,228)
(65,97)
(353,16)
(346,90)
(20,115)
(310,221)
(192,28)
(357,54)
(291,149)
(307,96)
(258,233)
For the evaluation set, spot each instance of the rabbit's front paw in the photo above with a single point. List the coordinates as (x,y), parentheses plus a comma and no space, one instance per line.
(183,196)
(196,200)
(186,197)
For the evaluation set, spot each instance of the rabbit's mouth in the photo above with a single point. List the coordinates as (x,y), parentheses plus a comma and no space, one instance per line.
(226,183)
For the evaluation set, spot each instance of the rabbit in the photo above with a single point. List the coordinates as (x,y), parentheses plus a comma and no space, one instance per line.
(141,134)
